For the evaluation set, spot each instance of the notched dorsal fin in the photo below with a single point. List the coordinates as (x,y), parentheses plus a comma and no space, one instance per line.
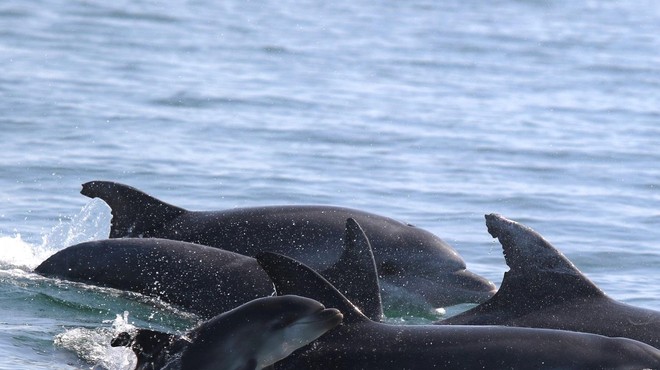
(354,274)
(529,256)
(539,277)
(292,277)
(134,213)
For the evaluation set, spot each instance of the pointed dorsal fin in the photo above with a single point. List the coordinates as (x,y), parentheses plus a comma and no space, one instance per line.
(134,213)
(533,259)
(354,274)
(292,277)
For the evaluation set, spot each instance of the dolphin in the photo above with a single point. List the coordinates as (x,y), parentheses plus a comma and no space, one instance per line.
(204,280)
(411,262)
(543,289)
(252,336)
(360,343)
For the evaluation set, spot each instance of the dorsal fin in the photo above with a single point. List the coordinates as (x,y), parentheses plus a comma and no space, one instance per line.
(134,213)
(546,272)
(354,274)
(292,277)
(540,276)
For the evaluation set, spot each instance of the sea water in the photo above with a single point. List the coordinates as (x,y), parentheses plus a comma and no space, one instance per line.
(434,113)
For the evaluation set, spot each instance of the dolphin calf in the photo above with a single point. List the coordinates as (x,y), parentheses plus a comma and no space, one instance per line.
(205,280)
(253,336)
(360,343)
(410,261)
(543,289)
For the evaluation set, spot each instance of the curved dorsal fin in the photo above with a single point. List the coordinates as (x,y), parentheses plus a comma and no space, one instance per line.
(539,275)
(354,274)
(528,254)
(292,277)
(134,213)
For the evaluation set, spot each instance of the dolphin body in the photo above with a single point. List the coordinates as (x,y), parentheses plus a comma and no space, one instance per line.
(252,336)
(360,343)
(410,261)
(543,289)
(204,280)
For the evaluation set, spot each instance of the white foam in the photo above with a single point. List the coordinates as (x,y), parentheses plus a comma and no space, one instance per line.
(91,223)
(93,345)
(15,252)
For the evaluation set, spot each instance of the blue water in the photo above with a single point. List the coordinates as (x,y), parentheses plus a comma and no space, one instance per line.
(430,112)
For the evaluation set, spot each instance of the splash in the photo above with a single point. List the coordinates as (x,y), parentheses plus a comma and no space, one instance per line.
(93,345)
(16,253)
(91,223)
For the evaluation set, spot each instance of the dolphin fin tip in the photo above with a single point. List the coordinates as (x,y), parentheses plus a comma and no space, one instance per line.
(293,277)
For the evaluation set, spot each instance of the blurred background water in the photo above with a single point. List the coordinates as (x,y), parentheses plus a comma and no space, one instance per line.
(433,113)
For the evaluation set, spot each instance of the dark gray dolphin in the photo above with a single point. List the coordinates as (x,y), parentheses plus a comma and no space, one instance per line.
(409,259)
(201,279)
(543,289)
(253,336)
(360,343)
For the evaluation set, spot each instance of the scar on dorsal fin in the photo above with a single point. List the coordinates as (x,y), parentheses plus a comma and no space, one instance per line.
(134,213)
(292,277)
(354,274)
(530,256)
